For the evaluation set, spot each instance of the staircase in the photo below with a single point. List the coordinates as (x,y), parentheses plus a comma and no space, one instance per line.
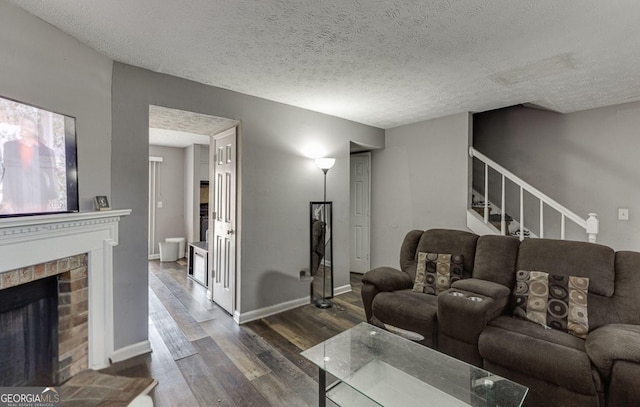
(475,217)
(485,217)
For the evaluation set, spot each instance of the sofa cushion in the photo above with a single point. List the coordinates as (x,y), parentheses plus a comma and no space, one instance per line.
(568,258)
(546,354)
(436,272)
(496,258)
(627,305)
(406,309)
(552,300)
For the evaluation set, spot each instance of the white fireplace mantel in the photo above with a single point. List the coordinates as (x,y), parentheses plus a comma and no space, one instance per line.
(26,241)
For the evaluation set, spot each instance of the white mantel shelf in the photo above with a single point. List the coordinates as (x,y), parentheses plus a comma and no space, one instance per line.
(40,222)
(30,240)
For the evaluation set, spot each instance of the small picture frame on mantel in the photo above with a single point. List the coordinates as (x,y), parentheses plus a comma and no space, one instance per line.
(102,203)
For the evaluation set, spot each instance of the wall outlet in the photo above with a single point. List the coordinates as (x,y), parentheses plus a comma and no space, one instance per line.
(305,275)
(159,204)
(623,213)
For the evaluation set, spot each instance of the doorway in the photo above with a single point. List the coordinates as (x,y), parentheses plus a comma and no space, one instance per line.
(359,212)
(181,179)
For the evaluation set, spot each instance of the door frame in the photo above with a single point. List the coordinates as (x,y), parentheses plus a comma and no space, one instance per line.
(368,262)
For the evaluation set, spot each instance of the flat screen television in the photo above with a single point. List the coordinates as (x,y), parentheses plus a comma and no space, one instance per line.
(38,161)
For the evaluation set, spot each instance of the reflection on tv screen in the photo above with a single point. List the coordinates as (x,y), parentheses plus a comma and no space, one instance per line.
(33,176)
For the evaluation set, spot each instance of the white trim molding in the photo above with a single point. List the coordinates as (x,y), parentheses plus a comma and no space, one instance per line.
(342,289)
(26,241)
(249,316)
(130,351)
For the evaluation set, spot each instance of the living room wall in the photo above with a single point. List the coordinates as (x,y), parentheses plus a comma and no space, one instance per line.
(45,67)
(278,180)
(586,161)
(419,181)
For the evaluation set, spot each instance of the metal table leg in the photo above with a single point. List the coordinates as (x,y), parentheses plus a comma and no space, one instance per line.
(322,387)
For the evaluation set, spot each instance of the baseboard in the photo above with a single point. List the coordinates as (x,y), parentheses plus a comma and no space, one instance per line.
(342,289)
(154,257)
(130,351)
(242,318)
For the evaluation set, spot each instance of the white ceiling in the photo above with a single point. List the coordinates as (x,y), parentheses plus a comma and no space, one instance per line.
(172,138)
(378,62)
(179,128)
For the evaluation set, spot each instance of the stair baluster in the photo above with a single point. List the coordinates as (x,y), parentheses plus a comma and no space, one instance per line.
(590,225)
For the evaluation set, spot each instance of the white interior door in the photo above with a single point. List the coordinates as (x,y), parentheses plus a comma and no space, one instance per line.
(359,212)
(222,247)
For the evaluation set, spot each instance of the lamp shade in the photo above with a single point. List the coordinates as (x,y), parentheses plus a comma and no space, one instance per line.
(325,163)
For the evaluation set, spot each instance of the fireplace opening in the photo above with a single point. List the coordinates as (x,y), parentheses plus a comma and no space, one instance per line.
(29,333)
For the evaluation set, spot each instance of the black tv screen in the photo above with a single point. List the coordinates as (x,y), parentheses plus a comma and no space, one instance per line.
(38,161)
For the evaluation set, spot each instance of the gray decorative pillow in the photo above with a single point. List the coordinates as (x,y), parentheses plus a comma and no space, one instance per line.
(435,272)
(554,301)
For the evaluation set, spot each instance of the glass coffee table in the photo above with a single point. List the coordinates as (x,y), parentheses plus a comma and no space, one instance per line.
(376,368)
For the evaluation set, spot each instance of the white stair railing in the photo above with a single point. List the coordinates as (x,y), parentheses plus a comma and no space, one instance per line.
(590,225)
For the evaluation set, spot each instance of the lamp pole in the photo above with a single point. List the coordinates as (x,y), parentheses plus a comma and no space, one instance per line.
(324,164)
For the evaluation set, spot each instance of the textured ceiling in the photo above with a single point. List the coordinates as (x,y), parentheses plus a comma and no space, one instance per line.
(178,128)
(379,62)
(172,138)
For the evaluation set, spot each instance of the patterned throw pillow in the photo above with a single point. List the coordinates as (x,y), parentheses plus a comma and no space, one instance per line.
(436,272)
(554,301)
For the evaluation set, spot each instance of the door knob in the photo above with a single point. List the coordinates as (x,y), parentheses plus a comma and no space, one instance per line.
(230,231)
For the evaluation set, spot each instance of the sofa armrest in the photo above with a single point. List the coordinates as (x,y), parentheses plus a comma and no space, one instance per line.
(465,309)
(482,287)
(611,343)
(382,279)
(387,279)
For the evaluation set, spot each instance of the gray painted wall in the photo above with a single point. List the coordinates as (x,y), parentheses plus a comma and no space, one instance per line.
(278,181)
(419,181)
(586,161)
(41,65)
(170,190)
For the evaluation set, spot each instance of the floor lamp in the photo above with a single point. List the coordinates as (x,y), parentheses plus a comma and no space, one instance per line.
(325,165)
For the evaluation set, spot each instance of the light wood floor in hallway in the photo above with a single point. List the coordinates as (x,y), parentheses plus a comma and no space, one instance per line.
(202,357)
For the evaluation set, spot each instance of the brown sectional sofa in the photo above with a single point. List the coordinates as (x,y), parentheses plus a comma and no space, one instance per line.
(559,368)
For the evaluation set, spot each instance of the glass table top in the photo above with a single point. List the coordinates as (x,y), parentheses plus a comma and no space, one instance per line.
(375,367)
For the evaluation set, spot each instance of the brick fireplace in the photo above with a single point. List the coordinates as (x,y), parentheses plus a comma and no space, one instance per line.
(73,317)
(76,249)
(72,340)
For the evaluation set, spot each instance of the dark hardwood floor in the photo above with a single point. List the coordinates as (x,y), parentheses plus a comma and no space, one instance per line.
(202,357)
